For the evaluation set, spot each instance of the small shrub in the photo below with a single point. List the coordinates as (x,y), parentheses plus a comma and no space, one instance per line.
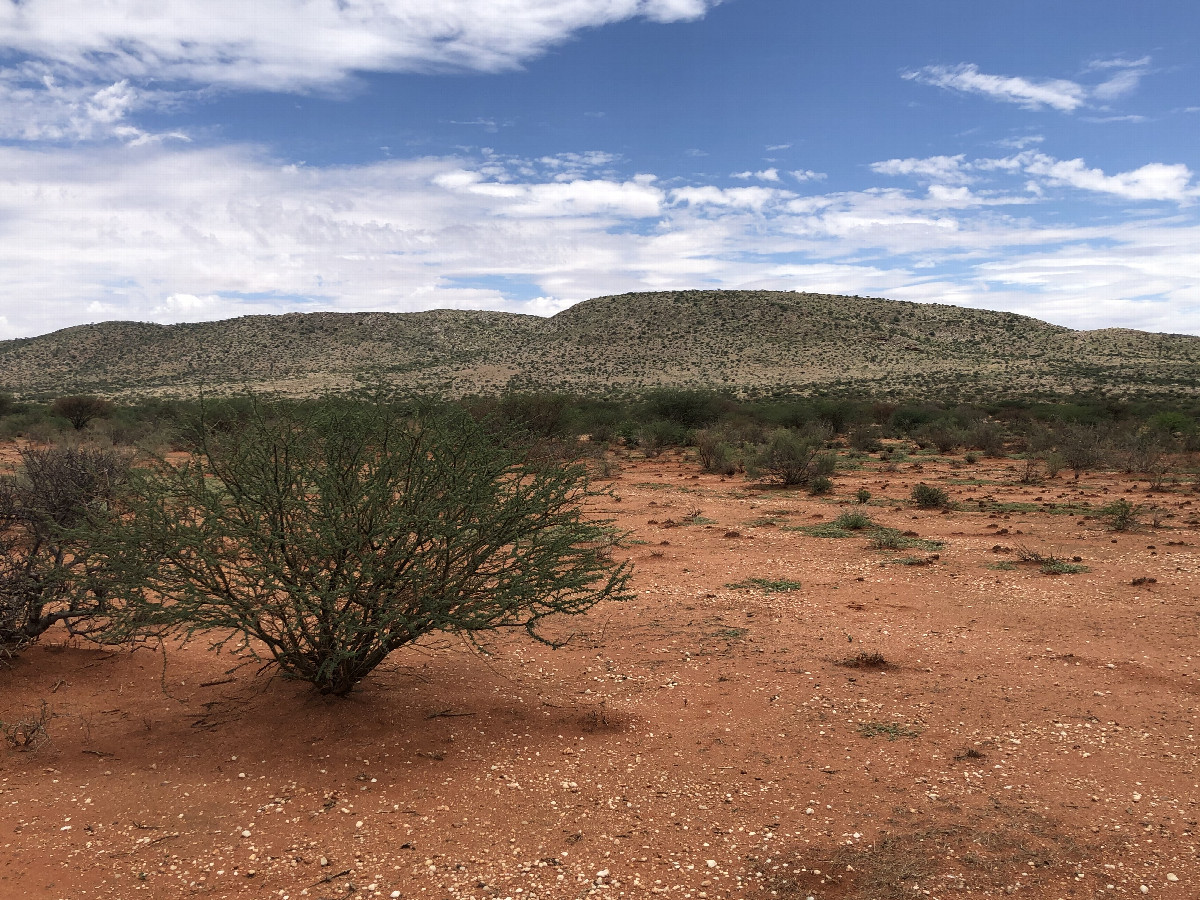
(716,456)
(28,734)
(862,495)
(793,459)
(1053,462)
(1031,473)
(820,485)
(47,573)
(1050,564)
(852,520)
(1122,515)
(865,659)
(926,496)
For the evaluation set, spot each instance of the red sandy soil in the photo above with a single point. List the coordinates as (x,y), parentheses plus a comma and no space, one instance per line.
(1027,735)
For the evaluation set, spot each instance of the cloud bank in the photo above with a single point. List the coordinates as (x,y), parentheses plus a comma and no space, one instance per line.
(173,232)
(289,45)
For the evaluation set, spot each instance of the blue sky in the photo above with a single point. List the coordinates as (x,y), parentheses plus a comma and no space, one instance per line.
(184,160)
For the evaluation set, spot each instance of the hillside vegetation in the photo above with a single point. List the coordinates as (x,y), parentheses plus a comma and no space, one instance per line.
(755,342)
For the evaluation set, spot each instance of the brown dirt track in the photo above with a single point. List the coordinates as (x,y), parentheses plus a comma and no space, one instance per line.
(1027,734)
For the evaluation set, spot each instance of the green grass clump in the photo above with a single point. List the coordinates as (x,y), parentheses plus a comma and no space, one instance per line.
(1059,567)
(853,521)
(891,539)
(926,496)
(892,730)
(770,585)
(824,530)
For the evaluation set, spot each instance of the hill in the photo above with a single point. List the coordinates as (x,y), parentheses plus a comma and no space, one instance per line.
(746,341)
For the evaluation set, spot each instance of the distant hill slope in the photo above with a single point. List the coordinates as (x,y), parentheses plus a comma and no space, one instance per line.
(757,341)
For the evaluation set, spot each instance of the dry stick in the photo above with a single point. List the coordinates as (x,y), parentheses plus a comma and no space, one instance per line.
(218,681)
(329,878)
(448,713)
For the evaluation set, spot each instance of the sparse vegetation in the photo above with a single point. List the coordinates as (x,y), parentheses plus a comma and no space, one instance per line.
(893,731)
(768,585)
(1050,564)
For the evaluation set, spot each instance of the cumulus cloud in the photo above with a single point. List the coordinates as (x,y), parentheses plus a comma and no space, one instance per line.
(38,105)
(1171,182)
(807,175)
(1154,181)
(942,169)
(762,175)
(301,44)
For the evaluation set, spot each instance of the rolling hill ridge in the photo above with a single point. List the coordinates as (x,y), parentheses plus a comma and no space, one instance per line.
(746,341)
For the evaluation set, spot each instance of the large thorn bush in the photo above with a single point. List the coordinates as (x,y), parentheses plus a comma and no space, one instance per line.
(323,537)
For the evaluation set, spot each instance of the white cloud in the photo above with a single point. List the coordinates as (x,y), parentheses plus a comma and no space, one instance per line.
(1056,93)
(37,105)
(1120,85)
(941,169)
(763,175)
(179,233)
(1154,181)
(708,195)
(1124,77)
(807,175)
(298,44)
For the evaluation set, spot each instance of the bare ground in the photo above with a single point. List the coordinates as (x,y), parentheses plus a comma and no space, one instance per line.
(930,722)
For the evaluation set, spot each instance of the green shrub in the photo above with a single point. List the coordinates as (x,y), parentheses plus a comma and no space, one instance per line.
(853,520)
(1122,515)
(820,485)
(926,496)
(862,495)
(716,456)
(793,459)
(47,572)
(325,537)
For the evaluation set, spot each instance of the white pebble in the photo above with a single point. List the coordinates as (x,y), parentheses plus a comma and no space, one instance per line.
(245,833)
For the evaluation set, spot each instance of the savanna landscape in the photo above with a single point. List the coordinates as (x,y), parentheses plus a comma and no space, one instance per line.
(911,642)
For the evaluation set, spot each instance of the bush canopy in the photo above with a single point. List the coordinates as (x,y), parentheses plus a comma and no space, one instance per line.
(323,537)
